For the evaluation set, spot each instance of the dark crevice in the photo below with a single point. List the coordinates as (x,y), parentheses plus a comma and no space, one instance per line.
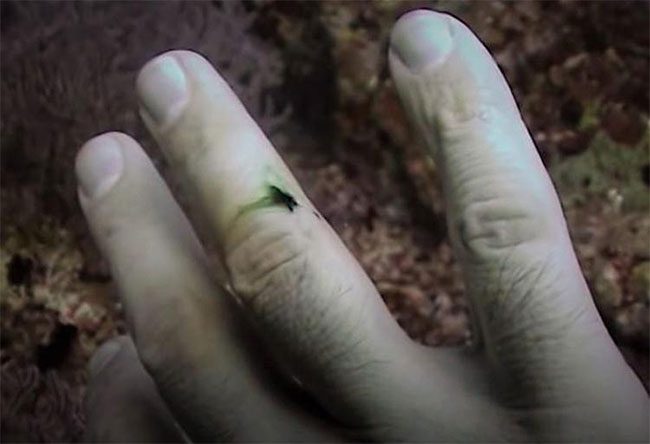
(645,174)
(54,354)
(19,270)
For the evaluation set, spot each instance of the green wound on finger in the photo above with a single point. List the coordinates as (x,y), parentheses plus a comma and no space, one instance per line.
(283,198)
(274,196)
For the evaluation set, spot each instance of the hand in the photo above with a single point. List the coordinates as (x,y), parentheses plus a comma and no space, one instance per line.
(290,341)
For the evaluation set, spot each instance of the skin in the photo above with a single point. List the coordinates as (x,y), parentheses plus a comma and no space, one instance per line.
(286,338)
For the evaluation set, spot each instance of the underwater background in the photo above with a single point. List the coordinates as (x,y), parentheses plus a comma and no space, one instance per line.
(314,75)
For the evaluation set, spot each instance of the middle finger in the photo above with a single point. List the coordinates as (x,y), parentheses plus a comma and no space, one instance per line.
(309,297)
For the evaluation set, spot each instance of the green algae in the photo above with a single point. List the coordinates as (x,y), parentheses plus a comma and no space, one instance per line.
(606,170)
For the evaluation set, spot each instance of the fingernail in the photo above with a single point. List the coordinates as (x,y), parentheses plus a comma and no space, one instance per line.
(99,165)
(163,89)
(421,38)
(104,355)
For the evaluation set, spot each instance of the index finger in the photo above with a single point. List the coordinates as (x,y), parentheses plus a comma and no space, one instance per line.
(540,327)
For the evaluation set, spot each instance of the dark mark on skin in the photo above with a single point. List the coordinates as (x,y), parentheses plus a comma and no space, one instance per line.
(274,196)
(280,197)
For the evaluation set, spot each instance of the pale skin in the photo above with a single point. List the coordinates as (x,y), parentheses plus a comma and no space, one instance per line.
(286,339)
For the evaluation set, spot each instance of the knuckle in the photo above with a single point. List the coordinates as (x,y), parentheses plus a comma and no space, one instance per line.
(269,267)
(167,360)
(155,354)
(161,345)
(162,362)
(285,276)
(490,227)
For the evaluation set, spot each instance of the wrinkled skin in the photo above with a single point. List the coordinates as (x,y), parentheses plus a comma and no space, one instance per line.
(286,338)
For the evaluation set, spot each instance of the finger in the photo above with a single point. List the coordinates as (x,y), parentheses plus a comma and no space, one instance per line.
(185,330)
(122,402)
(308,296)
(537,318)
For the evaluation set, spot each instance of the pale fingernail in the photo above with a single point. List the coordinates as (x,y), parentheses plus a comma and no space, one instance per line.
(163,89)
(99,165)
(421,38)
(104,355)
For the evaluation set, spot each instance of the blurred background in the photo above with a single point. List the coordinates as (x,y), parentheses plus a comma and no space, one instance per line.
(315,77)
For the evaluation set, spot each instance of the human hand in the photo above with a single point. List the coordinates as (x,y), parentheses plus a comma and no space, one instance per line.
(290,341)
